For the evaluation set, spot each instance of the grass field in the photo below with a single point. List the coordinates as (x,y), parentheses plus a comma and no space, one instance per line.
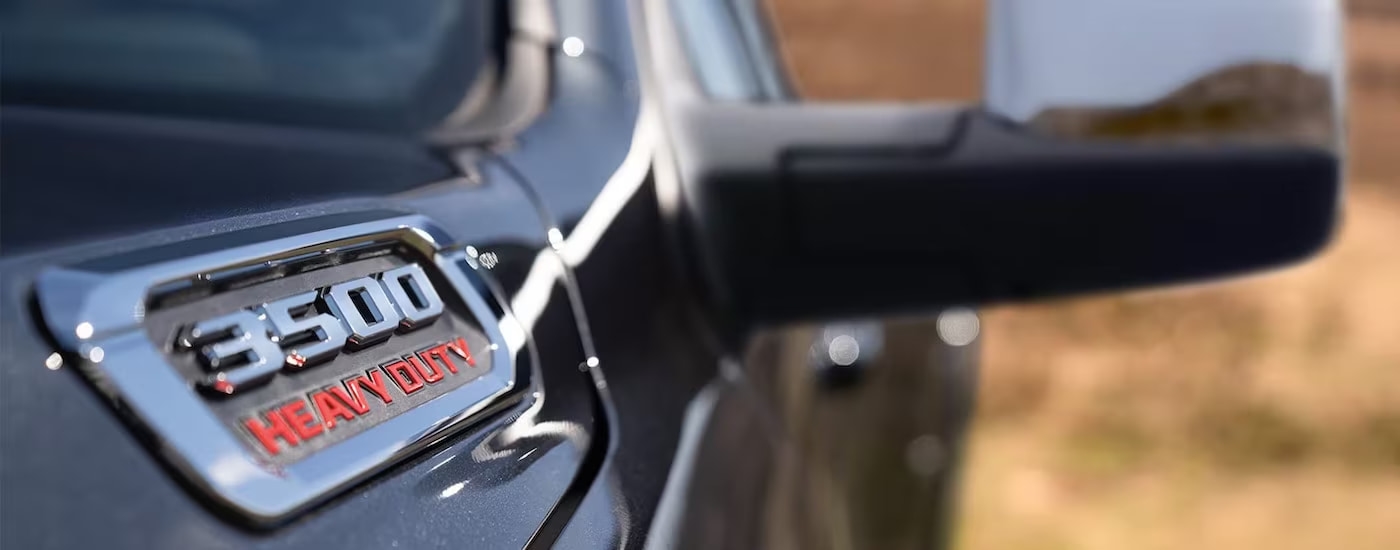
(1258,413)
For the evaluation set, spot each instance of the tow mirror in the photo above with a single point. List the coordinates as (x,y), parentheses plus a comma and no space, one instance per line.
(1120,143)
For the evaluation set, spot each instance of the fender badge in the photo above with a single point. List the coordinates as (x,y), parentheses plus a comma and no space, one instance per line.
(284,368)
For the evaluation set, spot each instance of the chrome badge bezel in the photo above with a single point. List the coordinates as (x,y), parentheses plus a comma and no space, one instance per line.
(95,313)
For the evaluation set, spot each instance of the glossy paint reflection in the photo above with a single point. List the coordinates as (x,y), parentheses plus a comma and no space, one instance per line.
(868,463)
(518,446)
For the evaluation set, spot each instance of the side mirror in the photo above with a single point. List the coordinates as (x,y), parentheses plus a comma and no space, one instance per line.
(1121,143)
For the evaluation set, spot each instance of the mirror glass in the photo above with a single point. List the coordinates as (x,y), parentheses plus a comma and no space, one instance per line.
(1179,70)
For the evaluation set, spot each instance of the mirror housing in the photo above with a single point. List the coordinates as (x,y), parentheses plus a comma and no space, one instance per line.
(1219,164)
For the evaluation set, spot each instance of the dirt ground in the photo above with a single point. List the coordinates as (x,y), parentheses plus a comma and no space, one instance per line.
(1257,413)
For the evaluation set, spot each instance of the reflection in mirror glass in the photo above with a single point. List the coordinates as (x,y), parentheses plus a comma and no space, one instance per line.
(1244,70)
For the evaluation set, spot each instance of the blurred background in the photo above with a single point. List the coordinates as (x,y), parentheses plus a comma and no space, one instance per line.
(1255,413)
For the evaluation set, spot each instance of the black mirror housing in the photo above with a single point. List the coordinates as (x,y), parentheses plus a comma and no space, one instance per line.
(802,211)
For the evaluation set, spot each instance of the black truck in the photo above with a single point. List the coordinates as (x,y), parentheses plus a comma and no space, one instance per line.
(583,273)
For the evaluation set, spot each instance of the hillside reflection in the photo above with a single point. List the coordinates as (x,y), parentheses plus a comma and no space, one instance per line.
(1254,102)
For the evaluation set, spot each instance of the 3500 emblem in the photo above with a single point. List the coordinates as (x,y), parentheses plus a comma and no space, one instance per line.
(246,348)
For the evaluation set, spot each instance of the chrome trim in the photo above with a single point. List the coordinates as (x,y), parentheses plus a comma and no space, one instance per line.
(95,312)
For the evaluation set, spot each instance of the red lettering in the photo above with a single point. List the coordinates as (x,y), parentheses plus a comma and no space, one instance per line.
(405,376)
(431,373)
(353,399)
(437,355)
(330,408)
(459,347)
(375,384)
(301,419)
(267,434)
